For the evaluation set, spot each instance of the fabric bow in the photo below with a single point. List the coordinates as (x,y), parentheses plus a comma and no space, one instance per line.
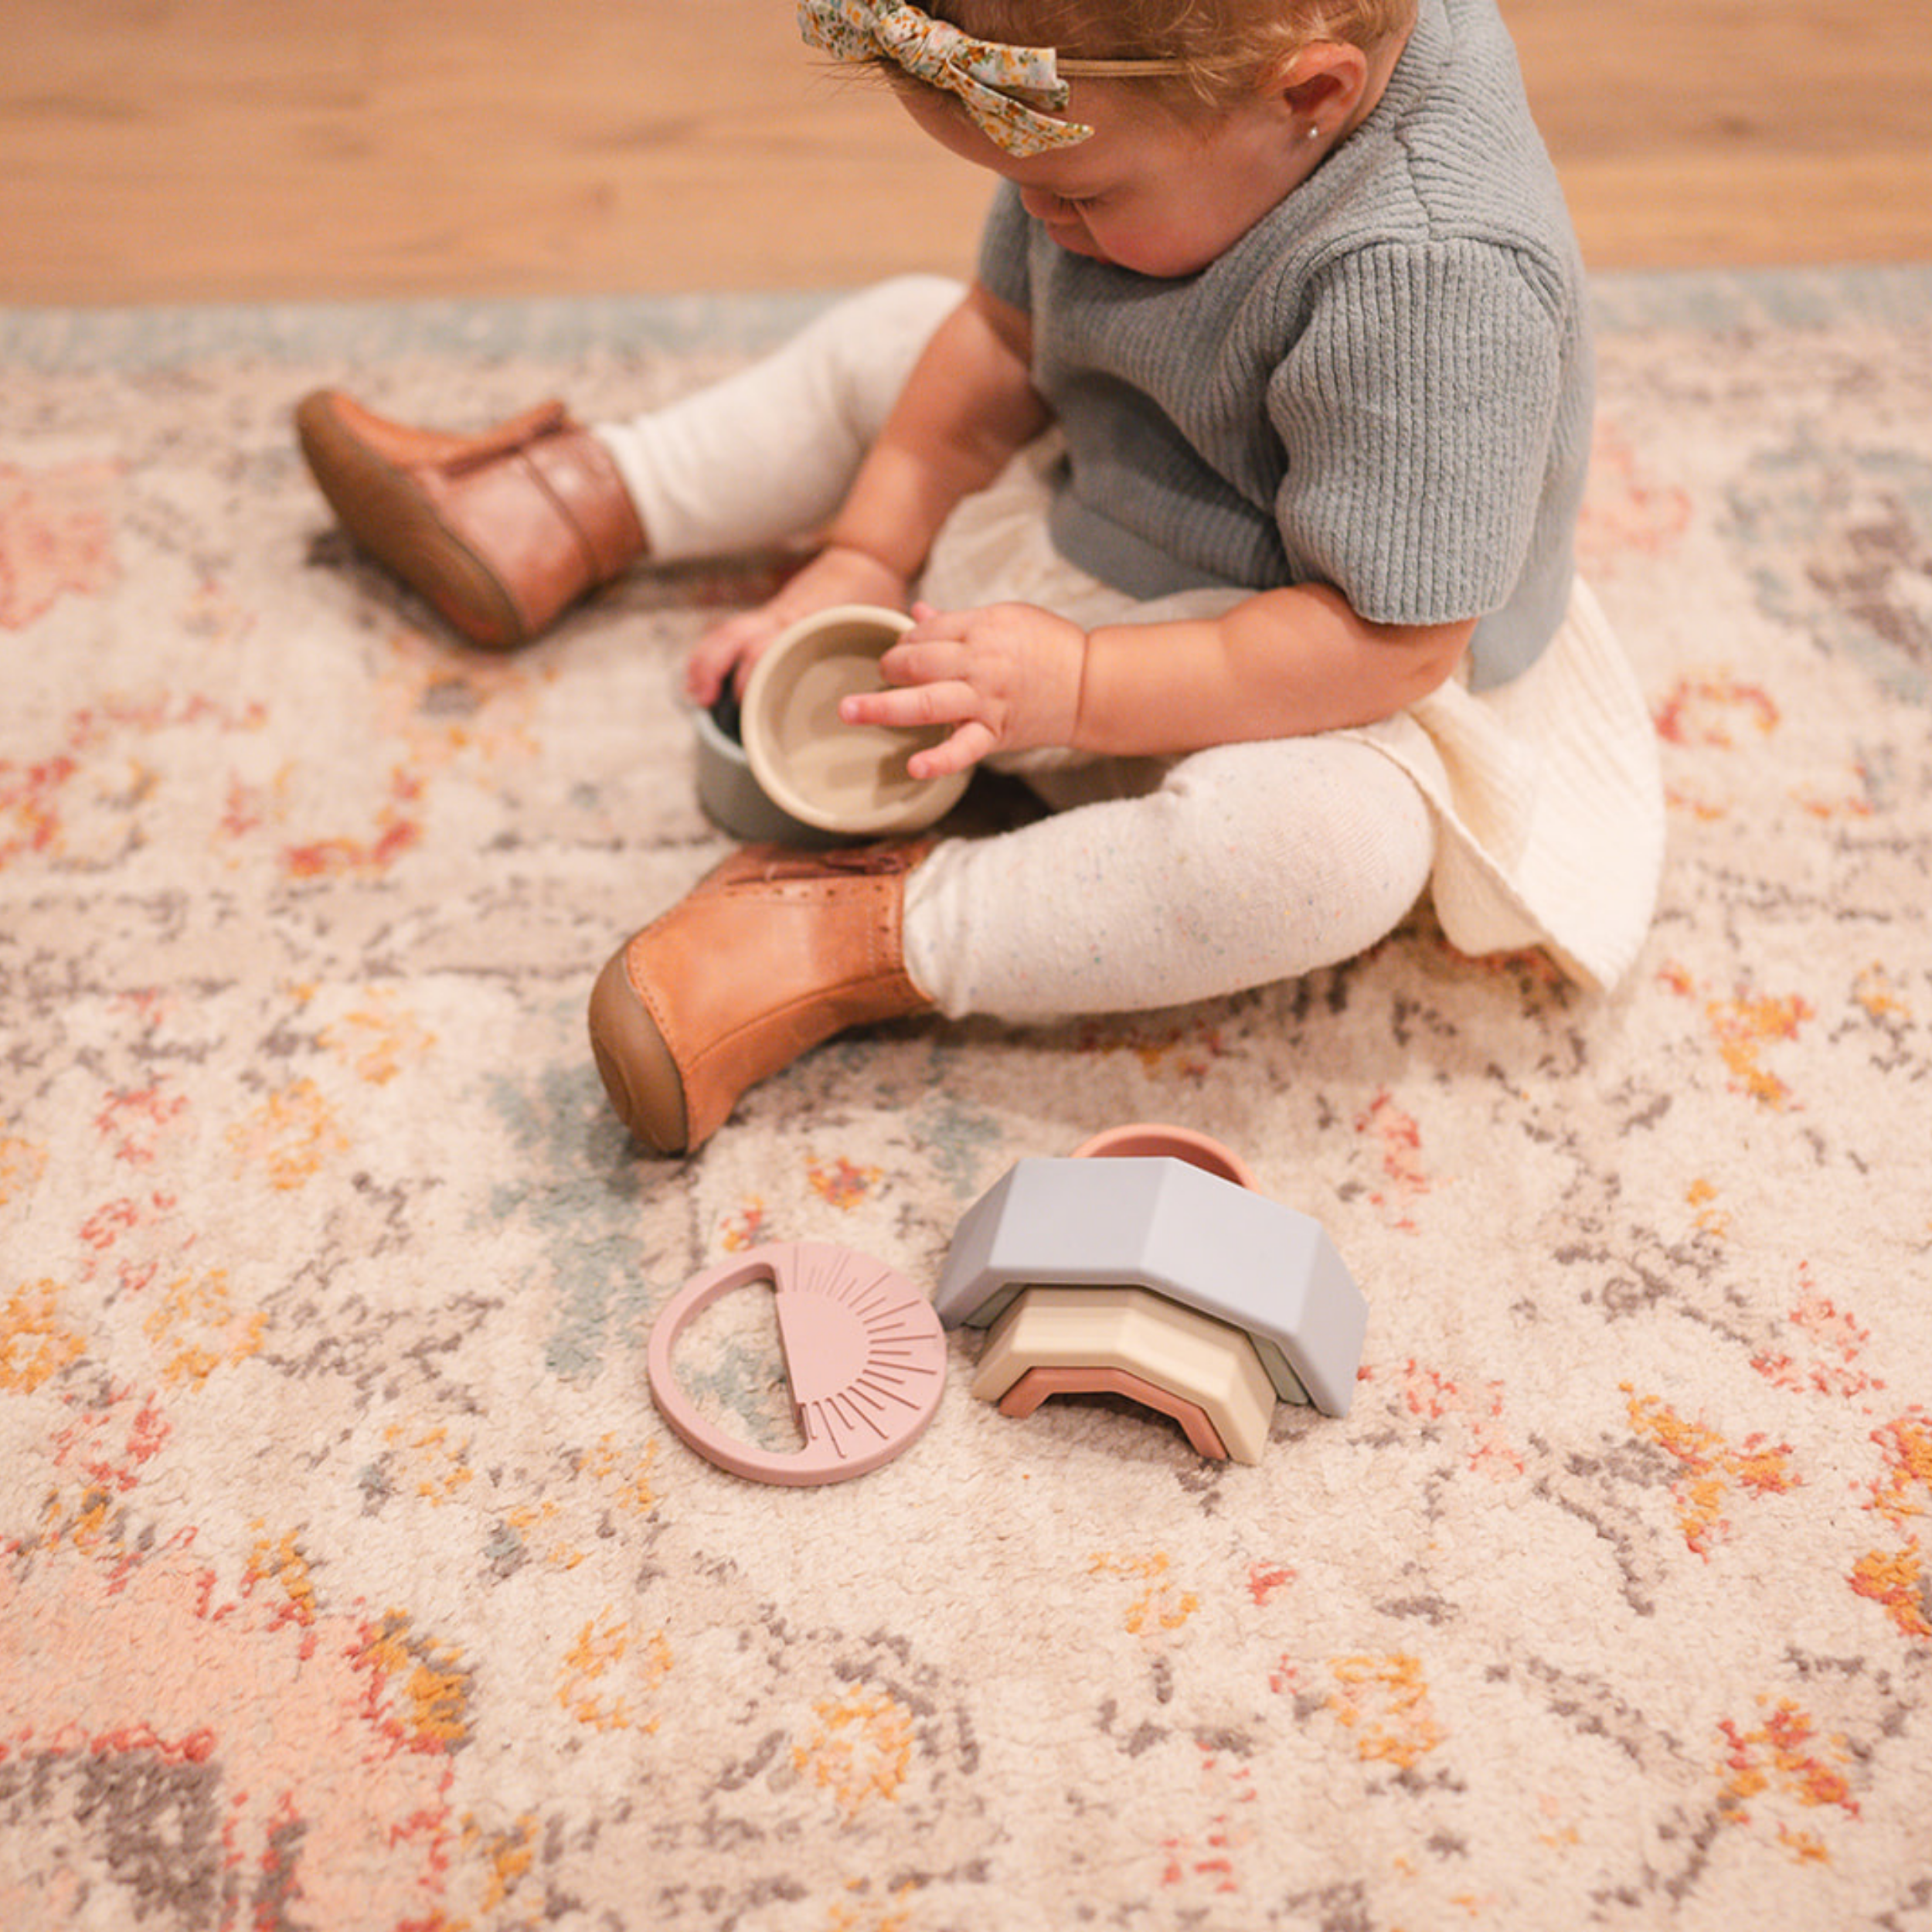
(1011,93)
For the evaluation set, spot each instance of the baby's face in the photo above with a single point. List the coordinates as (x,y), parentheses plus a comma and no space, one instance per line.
(1150,191)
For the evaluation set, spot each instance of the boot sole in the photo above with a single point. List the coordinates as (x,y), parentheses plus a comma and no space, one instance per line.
(383,507)
(635,1065)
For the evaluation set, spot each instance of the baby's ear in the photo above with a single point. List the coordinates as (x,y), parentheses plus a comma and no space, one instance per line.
(1323,82)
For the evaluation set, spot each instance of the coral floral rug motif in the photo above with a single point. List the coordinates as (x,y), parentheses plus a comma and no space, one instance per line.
(348,1578)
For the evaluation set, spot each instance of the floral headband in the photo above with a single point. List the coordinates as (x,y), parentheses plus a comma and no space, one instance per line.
(1012,94)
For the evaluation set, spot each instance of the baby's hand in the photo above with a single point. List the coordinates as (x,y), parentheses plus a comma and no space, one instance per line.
(1007,677)
(729,650)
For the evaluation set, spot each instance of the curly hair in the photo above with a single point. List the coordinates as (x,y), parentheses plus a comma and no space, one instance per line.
(1220,47)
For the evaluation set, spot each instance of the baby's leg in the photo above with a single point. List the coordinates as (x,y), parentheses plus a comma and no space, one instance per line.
(767,455)
(503,530)
(1248,864)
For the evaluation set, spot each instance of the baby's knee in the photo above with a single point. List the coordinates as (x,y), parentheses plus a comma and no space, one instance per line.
(1328,823)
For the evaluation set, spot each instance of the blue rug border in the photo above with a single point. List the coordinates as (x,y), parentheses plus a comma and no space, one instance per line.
(52,341)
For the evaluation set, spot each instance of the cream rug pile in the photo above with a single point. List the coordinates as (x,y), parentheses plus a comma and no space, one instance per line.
(348,1576)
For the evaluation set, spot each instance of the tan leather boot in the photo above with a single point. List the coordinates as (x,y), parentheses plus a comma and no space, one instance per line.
(768,954)
(499,532)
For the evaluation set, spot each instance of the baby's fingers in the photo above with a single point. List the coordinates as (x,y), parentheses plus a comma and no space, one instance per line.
(912,707)
(967,746)
(917,660)
(917,708)
(721,651)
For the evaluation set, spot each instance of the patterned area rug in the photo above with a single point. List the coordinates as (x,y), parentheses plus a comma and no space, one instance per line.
(348,1576)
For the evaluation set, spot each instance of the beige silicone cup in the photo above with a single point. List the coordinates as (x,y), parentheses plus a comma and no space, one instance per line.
(850,779)
(735,801)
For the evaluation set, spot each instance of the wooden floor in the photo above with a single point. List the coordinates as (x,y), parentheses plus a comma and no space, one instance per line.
(252,150)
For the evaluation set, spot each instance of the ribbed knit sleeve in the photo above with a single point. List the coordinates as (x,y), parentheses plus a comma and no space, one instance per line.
(1418,407)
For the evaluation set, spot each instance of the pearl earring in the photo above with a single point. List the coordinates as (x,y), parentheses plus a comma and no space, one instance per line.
(1315,131)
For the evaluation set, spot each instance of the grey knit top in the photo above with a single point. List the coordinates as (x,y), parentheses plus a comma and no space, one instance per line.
(1385,385)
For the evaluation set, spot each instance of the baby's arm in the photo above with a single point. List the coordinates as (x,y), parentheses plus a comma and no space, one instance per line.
(968,406)
(1281,664)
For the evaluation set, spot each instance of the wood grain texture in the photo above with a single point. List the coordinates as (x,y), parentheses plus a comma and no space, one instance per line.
(252,151)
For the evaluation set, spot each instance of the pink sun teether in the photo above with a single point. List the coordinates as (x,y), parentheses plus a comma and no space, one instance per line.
(864,1351)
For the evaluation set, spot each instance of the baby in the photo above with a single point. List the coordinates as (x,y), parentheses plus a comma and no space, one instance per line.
(1234,503)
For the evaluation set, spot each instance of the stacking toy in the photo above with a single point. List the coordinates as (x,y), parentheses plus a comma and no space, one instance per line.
(864,1355)
(1146,1265)
(1156,1271)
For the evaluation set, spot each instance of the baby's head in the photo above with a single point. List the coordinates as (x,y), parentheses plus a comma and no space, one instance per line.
(1203,54)
(1149,134)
